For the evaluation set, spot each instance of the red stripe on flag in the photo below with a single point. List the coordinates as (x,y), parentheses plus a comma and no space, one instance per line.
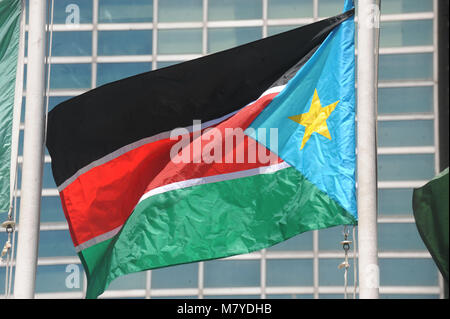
(101,199)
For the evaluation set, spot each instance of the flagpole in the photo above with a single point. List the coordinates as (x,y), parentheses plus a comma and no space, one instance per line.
(368,17)
(28,236)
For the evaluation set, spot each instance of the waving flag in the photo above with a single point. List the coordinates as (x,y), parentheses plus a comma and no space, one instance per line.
(156,170)
(10,11)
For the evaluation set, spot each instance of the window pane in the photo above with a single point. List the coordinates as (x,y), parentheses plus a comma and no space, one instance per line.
(395,201)
(299,242)
(278,29)
(229,273)
(72,43)
(125,42)
(399,237)
(70,76)
(180,11)
(408,272)
(405,167)
(225,38)
(67,11)
(406,6)
(119,11)
(289,272)
(405,100)
(53,278)
(406,33)
(109,72)
(180,41)
(281,9)
(130,281)
(165,64)
(234,9)
(330,238)
(51,209)
(406,67)
(328,8)
(331,275)
(183,276)
(55,100)
(47,179)
(55,243)
(406,133)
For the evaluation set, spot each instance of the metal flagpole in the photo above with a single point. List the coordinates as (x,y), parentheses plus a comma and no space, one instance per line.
(28,236)
(368,24)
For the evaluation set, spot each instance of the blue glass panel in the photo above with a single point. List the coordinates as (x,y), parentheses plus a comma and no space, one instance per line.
(180,41)
(47,178)
(53,278)
(51,209)
(70,76)
(331,275)
(328,8)
(66,12)
(130,281)
(406,33)
(299,242)
(330,238)
(405,167)
(399,237)
(406,67)
(119,11)
(406,6)
(408,272)
(281,9)
(72,43)
(109,72)
(184,276)
(55,100)
(395,201)
(289,272)
(229,273)
(55,243)
(406,133)
(410,296)
(137,42)
(234,9)
(167,63)
(403,100)
(280,28)
(225,38)
(180,11)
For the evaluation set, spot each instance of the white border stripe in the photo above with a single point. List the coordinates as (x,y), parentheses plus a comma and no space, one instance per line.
(214,179)
(98,239)
(154,138)
(184,184)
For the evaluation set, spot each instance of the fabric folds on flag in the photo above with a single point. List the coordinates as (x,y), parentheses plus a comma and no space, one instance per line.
(161,168)
(10,11)
(431,212)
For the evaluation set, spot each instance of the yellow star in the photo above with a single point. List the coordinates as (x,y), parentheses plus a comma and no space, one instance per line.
(315,119)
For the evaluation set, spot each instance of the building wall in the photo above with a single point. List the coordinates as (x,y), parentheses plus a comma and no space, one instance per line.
(117,38)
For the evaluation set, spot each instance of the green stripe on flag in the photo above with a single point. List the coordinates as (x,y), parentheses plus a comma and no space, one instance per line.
(9,47)
(211,221)
(431,212)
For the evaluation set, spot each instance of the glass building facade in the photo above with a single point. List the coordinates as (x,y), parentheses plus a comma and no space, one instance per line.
(98,41)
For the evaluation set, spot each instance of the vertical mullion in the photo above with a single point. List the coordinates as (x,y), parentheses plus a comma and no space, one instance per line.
(205,28)
(436,113)
(155,35)
(148,284)
(201,272)
(263,274)
(264,17)
(94,43)
(316,263)
(316,10)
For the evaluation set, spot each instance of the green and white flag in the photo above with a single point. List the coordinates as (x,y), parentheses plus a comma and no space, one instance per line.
(10,16)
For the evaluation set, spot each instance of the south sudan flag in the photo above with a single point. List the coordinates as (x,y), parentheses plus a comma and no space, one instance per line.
(223,155)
